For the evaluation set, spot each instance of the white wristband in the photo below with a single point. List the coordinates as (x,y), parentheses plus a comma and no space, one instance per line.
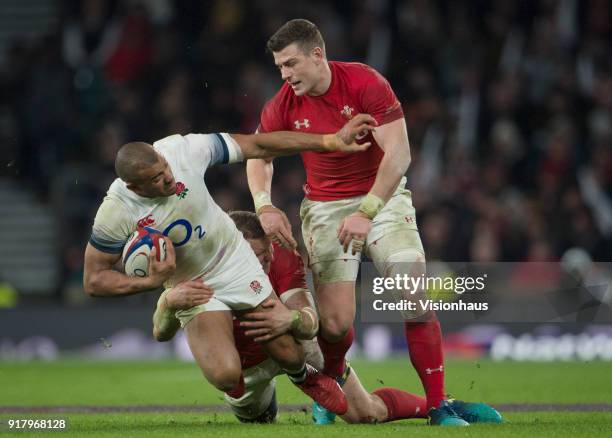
(371,205)
(261,199)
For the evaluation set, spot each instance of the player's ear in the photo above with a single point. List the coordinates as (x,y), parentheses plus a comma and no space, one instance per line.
(134,187)
(317,53)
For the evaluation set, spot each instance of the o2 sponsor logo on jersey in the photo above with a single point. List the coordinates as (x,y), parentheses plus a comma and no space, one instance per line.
(181,230)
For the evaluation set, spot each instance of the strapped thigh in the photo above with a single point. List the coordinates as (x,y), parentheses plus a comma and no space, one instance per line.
(401,253)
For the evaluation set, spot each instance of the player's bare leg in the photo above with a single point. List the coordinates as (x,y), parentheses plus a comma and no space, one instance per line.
(313,353)
(336,305)
(363,406)
(285,351)
(336,302)
(211,340)
(400,253)
(386,404)
(382,405)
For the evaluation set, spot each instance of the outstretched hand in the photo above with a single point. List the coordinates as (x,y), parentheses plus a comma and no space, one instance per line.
(189,294)
(353,130)
(271,320)
(276,225)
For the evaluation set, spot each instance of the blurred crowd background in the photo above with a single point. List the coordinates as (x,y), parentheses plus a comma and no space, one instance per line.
(508,105)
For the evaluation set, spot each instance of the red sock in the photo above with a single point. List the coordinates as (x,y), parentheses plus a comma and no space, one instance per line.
(238,390)
(401,404)
(334,354)
(425,347)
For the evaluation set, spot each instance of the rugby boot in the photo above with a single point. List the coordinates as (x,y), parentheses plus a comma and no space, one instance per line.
(324,390)
(475,412)
(444,415)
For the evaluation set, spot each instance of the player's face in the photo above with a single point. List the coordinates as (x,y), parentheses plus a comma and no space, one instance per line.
(263,250)
(300,69)
(155,181)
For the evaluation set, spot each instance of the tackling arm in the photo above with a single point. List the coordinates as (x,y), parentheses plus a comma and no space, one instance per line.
(274,144)
(305,321)
(300,320)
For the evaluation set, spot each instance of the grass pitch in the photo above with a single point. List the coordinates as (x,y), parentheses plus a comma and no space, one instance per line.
(39,390)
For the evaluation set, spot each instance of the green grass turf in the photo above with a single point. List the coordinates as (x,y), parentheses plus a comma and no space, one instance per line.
(179,383)
(175,383)
(537,424)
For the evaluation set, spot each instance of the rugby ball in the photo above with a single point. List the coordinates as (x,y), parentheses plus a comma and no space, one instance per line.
(138,248)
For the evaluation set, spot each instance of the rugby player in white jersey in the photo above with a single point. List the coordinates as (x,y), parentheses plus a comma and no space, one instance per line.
(162,185)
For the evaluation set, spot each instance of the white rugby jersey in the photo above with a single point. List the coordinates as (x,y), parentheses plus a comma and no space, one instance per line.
(204,236)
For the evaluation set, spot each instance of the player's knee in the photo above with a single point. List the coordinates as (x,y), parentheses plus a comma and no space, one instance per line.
(409,261)
(225,379)
(334,328)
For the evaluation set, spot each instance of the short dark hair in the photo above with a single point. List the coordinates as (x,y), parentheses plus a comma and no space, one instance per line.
(133,157)
(303,32)
(248,224)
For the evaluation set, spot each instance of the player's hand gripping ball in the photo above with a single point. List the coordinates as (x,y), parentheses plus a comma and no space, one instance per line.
(138,249)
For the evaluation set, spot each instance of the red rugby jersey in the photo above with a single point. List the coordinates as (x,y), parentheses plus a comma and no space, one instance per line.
(286,273)
(355,88)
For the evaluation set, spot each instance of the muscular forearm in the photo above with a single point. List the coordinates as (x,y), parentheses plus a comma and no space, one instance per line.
(259,176)
(109,283)
(392,168)
(274,144)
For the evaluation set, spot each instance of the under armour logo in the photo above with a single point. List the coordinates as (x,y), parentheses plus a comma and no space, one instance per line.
(299,125)
(431,370)
(347,112)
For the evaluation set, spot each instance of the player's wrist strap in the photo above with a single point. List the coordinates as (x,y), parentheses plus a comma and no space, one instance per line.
(296,319)
(371,205)
(305,323)
(330,142)
(261,199)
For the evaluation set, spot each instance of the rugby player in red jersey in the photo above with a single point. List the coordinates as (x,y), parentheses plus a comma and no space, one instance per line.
(352,203)
(256,401)
(298,317)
